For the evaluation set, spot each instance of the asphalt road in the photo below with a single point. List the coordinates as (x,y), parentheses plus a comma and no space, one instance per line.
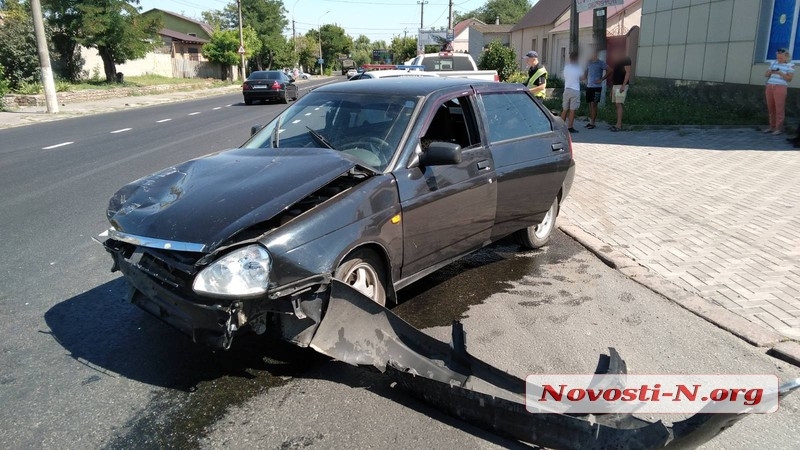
(81,368)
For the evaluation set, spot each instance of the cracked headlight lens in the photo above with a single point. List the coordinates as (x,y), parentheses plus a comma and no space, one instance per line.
(243,272)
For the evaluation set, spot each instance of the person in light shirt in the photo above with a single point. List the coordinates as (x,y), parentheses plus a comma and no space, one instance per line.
(572,91)
(779,75)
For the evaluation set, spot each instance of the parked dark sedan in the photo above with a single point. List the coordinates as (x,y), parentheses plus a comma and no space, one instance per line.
(269,85)
(376,184)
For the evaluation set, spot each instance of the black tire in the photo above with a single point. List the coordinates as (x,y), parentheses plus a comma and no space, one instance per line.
(355,271)
(248,101)
(285,98)
(537,236)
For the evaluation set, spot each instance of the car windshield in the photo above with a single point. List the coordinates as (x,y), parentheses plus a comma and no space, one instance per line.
(368,127)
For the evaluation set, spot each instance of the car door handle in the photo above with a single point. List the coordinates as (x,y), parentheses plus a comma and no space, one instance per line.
(557,147)
(482,165)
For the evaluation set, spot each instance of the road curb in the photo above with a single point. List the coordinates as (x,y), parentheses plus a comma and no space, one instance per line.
(788,351)
(753,334)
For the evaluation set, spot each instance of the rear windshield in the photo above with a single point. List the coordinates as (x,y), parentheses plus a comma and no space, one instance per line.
(446,63)
(265,76)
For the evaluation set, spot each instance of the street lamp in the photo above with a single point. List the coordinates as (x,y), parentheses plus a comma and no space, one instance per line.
(319,28)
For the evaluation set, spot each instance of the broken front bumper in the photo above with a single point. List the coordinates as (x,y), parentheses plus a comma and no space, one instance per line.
(293,310)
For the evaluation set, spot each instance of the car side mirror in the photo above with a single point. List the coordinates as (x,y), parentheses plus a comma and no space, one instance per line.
(441,154)
(291,80)
(254,129)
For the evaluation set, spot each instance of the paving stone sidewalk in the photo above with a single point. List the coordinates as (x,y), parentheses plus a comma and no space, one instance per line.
(716,211)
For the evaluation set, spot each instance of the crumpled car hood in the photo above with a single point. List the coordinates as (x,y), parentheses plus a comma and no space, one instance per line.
(208,200)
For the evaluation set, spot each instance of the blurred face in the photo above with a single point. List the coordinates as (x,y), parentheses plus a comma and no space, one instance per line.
(533,61)
(782,56)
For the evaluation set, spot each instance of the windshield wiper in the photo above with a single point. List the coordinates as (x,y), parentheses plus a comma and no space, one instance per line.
(320,138)
(276,139)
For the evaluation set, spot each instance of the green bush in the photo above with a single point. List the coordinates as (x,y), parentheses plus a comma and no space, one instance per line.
(500,58)
(328,71)
(3,87)
(28,88)
(518,77)
(63,86)
(655,102)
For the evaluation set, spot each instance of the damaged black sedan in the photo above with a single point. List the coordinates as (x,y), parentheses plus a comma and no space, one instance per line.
(374,184)
(354,192)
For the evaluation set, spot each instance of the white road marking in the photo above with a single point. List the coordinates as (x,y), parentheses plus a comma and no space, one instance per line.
(57,145)
(218,107)
(296,121)
(120,131)
(163,120)
(228,106)
(194,113)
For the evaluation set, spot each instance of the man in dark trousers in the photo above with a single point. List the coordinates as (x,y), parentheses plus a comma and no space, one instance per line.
(537,75)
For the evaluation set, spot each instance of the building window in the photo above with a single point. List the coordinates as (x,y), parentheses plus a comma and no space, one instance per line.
(783,29)
(543,53)
(533,45)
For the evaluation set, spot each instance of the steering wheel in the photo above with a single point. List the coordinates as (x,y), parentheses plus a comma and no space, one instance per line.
(375,146)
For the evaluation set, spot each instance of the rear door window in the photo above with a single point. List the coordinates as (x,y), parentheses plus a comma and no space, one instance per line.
(513,115)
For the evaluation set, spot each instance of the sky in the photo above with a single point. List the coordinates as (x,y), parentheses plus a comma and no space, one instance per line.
(377,19)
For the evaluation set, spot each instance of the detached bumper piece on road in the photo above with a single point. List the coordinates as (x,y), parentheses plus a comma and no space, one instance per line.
(358,331)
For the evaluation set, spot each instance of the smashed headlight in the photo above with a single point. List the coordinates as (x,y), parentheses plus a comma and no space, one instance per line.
(241,273)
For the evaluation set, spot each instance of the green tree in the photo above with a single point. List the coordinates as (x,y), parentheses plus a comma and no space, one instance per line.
(224,46)
(500,58)
(335,42)
(18,53)
(362,50)
(267,18)
(509,11)
(306,52)
(403,48)
(117,30)
(3,87)
(64,20)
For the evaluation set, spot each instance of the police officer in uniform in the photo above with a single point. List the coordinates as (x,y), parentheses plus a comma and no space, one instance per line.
(537,75)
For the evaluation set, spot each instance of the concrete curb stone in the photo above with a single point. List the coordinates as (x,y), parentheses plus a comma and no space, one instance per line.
(788,351)
(752,333)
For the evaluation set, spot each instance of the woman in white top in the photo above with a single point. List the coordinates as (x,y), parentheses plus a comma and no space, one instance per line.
(779,76)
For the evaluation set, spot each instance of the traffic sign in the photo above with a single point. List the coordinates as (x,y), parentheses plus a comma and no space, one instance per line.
(585,5)
(241,50)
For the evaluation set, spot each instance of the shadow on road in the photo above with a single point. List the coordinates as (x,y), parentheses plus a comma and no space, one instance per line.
(102,330)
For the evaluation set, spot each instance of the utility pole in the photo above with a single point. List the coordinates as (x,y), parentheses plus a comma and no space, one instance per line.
(573,27)
(294,37)
(241,37)
(422,13)
(450,16)
(44,58)
(599,25)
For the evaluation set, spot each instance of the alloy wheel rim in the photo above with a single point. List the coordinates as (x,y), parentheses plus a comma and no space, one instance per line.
(544,228)
(362,277)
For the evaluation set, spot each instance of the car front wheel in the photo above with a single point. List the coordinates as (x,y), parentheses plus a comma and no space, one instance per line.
(537,236)
(363,271)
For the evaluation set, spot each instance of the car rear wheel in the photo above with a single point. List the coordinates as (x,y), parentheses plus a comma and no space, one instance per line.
(537,236)
(285,98)
(363,270)
(248,101)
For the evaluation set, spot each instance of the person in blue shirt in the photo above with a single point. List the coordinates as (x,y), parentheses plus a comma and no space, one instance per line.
(594,85)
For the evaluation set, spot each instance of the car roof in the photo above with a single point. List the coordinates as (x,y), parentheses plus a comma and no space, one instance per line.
(399,73)
(416,86)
